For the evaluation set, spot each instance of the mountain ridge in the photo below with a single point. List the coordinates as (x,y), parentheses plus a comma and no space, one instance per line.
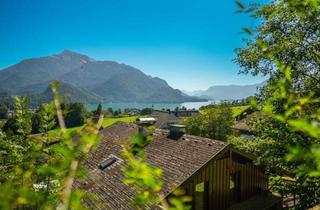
(85,76)
(227,92)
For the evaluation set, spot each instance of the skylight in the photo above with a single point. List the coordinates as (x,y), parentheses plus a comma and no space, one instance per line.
(108,162)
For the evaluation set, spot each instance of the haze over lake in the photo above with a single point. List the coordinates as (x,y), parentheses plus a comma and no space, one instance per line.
(158,106)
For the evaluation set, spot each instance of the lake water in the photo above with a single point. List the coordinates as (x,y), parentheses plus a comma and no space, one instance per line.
(159,106)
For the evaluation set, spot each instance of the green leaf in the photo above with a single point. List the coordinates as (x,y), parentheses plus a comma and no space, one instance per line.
(247,31)
(304,125)
(240,5)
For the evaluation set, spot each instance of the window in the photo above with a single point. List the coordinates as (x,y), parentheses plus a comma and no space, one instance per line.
(234,186)
(232,181)
(108,162)
(201,194)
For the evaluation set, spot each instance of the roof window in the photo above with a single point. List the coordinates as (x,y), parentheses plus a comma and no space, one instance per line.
(108,162)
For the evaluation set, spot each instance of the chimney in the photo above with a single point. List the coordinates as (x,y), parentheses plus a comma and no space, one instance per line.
(143,131)
(176,131)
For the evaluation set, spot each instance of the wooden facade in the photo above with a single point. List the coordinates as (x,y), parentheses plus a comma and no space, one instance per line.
(227,179)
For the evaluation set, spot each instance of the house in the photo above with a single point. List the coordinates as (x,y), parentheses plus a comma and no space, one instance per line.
(186,113)
(132,111)
(244,114)
(212,172)
(241,125)
(164,118)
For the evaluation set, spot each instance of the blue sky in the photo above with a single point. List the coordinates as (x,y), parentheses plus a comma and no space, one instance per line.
(189,43)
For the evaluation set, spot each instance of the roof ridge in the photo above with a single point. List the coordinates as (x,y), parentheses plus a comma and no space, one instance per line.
(201,138)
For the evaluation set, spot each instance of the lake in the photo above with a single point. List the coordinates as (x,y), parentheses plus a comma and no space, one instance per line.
(159,106)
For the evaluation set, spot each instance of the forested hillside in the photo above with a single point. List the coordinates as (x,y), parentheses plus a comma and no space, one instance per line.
(87,80)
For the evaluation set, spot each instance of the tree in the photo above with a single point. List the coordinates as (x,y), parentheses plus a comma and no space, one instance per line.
(99,110)
(176,111)
(20,123)
(35,119)
(117,112)
(146,111)
(35,174)
(110,110)
(289,37)
(18,158)
(3,111)
(6,100)
(213,123)
(10,127)
(285,46)
(44,119)
(75,114)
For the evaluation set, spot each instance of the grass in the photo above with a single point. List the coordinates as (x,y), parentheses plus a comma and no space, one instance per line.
(109,121)
(56,133)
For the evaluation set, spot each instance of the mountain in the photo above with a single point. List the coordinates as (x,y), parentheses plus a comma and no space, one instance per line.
(87,80)
(94,73)
(135,86)
(227,92)
(68,93)
(38,72)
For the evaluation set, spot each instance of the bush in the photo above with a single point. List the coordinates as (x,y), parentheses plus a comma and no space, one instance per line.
(214,123)
(146,111)
(75,114)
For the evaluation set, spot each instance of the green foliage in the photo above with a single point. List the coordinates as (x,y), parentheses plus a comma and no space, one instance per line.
(117,112)
(3,111)
(268,152)
(20,158)
(300,114)
(20,123)
(75,114)
(285,47)
(10,126)
(23,115)
(2,122)
(99,110)
(307,188)
(287,37)
(44,119)
(146,111)
(212,123)
(35,119)
(179,201)
(110,110)
(35,174)
(137,144)
(236,108)
(6,100)
(144,178)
